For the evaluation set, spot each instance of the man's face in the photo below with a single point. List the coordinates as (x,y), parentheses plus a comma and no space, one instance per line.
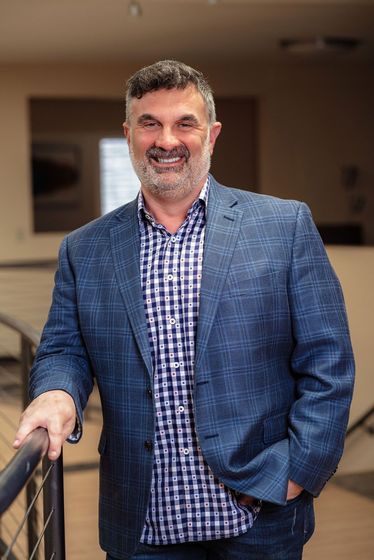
(170,141)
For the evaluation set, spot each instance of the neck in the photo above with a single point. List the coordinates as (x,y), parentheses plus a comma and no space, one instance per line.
(170,212)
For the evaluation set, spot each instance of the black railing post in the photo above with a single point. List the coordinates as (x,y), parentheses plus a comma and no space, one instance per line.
(32,520)
(19,469)
(361,423)
(26,363)
(54,518)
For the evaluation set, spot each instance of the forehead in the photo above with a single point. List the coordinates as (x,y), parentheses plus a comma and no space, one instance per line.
(173,103)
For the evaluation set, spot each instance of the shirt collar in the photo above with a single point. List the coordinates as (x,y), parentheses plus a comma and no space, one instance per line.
(202,198)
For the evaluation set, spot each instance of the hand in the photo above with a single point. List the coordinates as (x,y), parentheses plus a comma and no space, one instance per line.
(53,410)
(293,490)
(245,500)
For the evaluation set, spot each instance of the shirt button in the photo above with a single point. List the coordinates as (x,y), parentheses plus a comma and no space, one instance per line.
(173,239)
(186,451)
(148,445)
(181,408)
(170,277)
(172,321)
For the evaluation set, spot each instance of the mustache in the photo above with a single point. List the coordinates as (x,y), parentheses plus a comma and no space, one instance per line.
(179,151)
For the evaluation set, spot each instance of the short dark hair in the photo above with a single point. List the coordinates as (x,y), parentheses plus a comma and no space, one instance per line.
(169,74)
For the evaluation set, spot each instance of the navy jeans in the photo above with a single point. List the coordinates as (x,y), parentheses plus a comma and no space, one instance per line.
(279,533)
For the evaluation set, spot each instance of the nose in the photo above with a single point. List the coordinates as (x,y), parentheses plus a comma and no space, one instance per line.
(166,139)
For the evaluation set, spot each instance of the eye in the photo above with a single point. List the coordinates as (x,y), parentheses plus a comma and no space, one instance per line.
(150,124)
(185,125)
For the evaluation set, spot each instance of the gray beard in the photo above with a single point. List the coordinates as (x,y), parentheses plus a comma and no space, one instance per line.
(185,181)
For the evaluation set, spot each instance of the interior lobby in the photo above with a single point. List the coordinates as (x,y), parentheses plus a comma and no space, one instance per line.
(294,85)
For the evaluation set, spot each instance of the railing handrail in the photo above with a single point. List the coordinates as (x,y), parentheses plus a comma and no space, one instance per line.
(26,331)
(18,471)
(360,422)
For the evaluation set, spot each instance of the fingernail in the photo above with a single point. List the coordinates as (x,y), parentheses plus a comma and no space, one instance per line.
(16,442)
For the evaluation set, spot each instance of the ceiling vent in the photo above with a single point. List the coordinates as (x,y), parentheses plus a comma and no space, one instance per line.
(313,45)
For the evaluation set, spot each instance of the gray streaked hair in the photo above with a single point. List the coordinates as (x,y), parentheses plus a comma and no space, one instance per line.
(169,74)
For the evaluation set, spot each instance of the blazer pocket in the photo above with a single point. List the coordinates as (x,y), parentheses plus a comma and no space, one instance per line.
(102,443)
(276,428)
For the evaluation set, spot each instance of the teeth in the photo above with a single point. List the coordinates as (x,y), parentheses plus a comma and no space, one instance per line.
(169,160)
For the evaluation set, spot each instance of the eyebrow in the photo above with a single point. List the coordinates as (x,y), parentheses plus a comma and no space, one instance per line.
(189,118)
(184,118)
(146,117)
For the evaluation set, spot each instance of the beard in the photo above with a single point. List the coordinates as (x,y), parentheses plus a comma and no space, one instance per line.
(172,181)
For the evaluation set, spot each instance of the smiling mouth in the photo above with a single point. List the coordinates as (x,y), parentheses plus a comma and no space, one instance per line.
(167,163)
(167,160)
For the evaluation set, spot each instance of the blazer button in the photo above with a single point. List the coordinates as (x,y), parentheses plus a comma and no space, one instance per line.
(150,393)
(148,445)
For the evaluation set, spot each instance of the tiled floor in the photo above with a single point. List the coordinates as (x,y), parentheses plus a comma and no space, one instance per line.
(345,519)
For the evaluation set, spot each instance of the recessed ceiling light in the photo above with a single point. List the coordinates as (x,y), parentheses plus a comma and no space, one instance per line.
(134,9)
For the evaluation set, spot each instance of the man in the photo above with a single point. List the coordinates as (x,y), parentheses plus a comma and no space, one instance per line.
(215,328)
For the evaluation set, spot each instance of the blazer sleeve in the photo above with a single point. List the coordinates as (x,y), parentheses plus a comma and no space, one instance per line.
(322,360)
(61,361)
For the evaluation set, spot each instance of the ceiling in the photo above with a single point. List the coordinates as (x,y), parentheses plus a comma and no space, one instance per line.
(36,31)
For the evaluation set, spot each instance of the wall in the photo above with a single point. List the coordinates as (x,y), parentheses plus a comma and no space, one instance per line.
(355,269)
(313,119)
(17,84)
(296,160)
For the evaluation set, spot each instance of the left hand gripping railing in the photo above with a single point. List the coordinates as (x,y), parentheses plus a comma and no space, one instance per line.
(14,477)
(19,470)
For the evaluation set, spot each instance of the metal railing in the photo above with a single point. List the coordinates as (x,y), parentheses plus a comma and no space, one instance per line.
(30,339)
(361,423)
(22,469)
(13,478)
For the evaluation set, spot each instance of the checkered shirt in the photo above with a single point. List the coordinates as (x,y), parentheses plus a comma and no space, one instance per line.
(187,502)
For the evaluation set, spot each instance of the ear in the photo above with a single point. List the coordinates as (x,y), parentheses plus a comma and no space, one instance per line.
(215,130)
(126,131)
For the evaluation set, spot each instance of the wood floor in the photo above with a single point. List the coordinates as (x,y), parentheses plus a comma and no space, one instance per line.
(344,528)
(345,520)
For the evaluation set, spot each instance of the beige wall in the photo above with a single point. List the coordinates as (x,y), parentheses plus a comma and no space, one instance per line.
(355,269)
(313,120)
(296,160)
(17,84)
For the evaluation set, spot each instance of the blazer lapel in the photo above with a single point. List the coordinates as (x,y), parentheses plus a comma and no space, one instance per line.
(125,247)
(222,229)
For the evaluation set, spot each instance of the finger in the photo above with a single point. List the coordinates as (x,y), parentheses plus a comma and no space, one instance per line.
(55,411)
(56,438)
(24,429)
(58,432)
(245,500)
(69,427)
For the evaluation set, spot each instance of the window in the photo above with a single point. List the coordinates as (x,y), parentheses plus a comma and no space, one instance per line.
(118,182)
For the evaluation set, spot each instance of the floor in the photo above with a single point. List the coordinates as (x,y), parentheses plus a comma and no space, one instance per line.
(345,517)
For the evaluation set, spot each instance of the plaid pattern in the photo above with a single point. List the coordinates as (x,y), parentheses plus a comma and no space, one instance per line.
(273,372)
(187,503)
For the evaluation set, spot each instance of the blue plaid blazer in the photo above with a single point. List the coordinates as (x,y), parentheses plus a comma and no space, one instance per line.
(274,365)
